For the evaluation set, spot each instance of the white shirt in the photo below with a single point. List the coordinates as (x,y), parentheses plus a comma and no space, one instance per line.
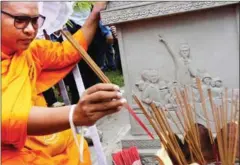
(80,17)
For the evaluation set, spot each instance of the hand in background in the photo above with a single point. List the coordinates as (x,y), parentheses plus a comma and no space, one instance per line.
(99,6)
(110,39)
(114,31)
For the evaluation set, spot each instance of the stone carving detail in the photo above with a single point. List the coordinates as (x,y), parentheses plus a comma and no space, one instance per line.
(152,9)
(184,72)
(149,160)
(141,144)
(153,88)
(120,4)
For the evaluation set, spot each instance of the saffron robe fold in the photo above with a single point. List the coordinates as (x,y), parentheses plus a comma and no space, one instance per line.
(25,76)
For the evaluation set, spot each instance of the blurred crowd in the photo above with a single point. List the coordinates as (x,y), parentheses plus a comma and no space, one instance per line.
(103,50)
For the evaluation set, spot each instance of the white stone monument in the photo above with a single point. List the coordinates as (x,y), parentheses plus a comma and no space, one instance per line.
(166,44)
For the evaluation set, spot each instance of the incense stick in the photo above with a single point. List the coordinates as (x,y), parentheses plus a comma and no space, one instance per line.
(235,144)
(190,126)
(86,57)
(220,117)
(166,129)
(162,136)
(176,123)
(190,115)
(193,138)
(154,125)
(225,123)
(217,127)
(230,144)
(101,75)
(236,137)
(194,110)
(179,102)
(221,133)
(199,85)
(214,119)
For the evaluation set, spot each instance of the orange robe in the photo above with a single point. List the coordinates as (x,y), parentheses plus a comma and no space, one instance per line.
(25,76)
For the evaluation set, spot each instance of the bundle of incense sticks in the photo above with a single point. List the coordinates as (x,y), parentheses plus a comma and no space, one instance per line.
(128,156)
(199,144)
(101,75)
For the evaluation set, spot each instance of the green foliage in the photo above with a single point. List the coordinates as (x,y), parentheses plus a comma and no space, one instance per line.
(115,77)
(80,5)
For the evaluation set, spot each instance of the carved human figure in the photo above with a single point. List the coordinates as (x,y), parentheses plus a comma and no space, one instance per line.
(186,58)
(150,90)
(195,91)
(168,100)
(207,80)
(141,85)
(170,96)
(172,86)
(217,87)
(164,93)
(206,84)
(184,72)
(155,90)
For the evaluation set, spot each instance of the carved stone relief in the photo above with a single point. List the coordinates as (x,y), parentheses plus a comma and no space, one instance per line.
(153,87)
(149,160)
(120,4)
(129,11)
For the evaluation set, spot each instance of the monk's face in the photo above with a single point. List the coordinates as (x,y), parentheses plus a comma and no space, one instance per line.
(15,38)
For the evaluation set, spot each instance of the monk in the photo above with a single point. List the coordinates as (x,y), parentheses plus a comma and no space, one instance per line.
(33,134)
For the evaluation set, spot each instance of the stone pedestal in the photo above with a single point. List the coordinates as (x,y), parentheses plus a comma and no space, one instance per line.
(163,44)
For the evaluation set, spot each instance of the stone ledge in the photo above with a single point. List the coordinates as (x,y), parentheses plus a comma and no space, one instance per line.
(141,142)
(131,11)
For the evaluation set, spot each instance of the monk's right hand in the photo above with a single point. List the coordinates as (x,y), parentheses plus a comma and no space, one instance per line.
(98,101)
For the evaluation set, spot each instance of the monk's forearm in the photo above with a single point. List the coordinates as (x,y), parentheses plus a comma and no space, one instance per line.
(90,26)
(43,121)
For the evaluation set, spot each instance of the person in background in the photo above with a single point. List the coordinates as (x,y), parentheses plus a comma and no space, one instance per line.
(96,49)
(116,49)
(107,60)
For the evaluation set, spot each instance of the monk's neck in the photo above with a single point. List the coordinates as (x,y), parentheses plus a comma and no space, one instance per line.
(6,50)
